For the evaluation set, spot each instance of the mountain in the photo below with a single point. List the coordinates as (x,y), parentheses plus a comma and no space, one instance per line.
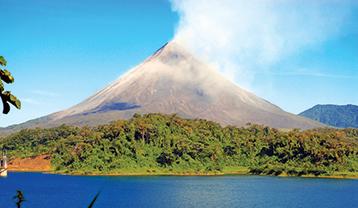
(342,116)
(173,81)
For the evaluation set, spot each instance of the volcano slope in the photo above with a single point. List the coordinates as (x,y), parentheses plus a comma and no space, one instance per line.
(173,81)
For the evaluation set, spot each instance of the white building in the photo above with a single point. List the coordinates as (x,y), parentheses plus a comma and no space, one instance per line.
(3,165)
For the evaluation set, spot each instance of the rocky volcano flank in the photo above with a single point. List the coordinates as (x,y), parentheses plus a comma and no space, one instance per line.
(173,81)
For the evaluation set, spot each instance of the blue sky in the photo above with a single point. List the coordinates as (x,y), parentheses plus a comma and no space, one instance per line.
(61,52)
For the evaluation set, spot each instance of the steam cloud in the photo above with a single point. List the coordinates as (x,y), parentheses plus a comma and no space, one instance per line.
(244,37)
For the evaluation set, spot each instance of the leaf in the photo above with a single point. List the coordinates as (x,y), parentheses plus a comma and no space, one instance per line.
(1,86)
(94,200)
(2,61)
(8,97)
(15,102)
(6,76)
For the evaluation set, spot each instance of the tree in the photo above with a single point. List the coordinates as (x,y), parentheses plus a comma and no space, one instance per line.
(6,96)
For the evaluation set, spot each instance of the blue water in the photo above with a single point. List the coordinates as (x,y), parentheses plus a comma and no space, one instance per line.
(45,190)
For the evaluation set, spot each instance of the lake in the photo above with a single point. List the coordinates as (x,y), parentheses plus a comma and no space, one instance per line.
(46,190)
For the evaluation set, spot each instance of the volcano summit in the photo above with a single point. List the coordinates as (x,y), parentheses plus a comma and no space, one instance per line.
(173,81)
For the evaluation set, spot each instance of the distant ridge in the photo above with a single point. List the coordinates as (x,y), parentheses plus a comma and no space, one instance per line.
(173,81)
(342,116)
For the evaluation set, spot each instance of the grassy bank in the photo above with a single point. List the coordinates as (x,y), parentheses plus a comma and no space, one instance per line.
(244,171)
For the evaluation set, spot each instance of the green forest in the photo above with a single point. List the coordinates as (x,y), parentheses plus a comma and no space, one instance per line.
(167,144)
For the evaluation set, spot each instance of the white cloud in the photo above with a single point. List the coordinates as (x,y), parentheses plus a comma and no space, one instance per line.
(244,37)
(40,97)
(44,93)
(311,73)
(31,101)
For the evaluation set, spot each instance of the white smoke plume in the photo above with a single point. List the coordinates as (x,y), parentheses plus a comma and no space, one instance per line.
(244,37)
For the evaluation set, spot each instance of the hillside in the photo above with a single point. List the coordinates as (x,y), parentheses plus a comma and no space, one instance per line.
(167,144)
(342,116)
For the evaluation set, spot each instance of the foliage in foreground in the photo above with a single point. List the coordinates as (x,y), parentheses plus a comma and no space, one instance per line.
(167,143)
(6,96)
(20,199)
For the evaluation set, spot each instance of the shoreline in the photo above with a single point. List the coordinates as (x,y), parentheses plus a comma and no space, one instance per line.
(228,173)
(42,164)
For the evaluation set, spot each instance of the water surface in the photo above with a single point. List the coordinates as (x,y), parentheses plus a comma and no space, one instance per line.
(46,190)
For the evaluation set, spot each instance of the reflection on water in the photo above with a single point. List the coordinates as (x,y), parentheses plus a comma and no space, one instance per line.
(44,190)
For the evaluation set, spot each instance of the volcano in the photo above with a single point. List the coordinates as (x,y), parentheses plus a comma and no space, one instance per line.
(173,81)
